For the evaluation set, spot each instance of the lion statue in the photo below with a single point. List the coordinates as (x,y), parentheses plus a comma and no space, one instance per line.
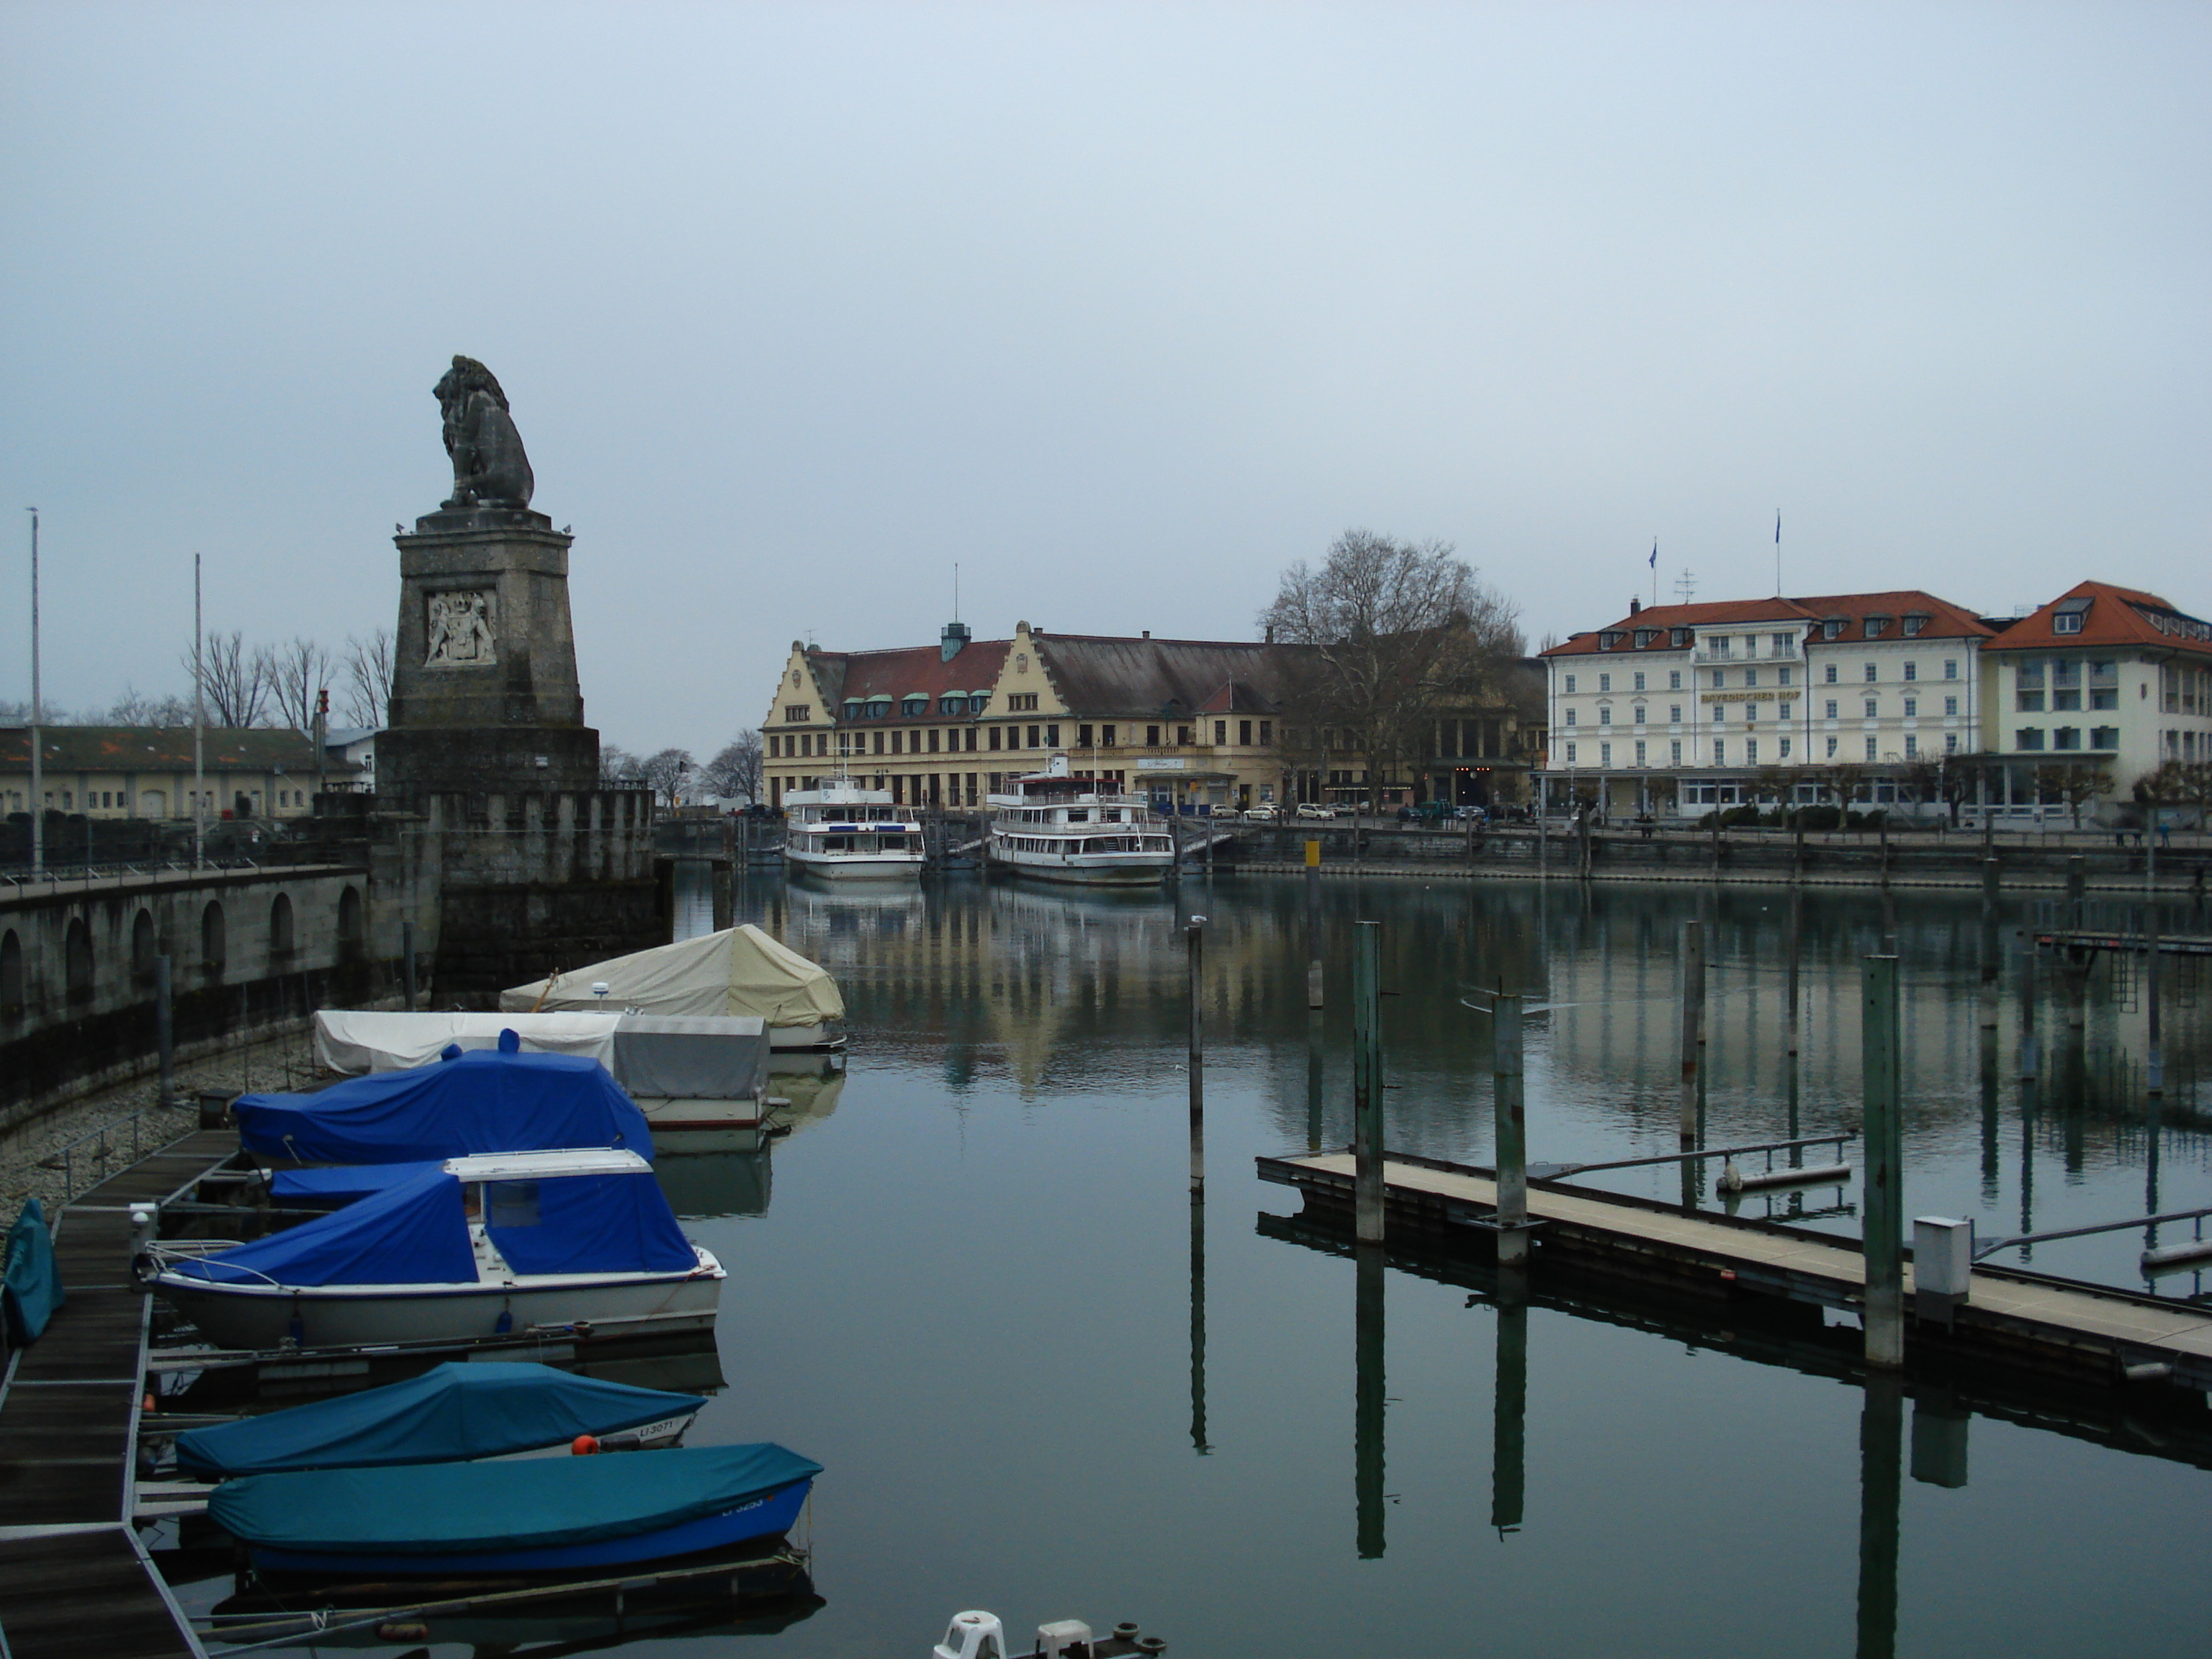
(489,469)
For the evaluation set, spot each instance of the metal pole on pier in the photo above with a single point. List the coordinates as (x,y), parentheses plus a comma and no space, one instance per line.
(1313,923)
(1511,1130)
(2155,1057)
(2029,1060)
(1880,1054)
(165,1030)
(1367,1081)
(407,954)
(1990,957)
(1694,1025)
(1195,935)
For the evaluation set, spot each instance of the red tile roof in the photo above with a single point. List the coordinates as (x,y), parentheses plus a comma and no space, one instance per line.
(2114,617)
(1945,620)
(908,670)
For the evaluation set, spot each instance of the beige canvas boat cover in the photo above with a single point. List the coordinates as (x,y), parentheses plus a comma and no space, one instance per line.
(740,970)
(353,1041)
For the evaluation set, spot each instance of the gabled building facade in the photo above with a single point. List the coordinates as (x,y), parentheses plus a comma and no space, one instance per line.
(147,772)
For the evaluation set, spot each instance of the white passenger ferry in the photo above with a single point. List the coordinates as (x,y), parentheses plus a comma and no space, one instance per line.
(845,831)
(1059,826)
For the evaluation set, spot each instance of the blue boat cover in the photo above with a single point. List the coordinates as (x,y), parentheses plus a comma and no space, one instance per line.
(414,1233)
(452,1411)
(31,1290)
(486,1101)
(343,1183)
(586,1225)
(440,1509)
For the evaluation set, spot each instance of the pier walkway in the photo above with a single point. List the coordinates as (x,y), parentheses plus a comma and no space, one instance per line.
(75,1581)
(2011,1318)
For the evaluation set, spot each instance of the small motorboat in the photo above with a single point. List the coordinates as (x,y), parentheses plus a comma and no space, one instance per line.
(485,1100)
(465,1250)
(451,1412)
(542,1515)
(740,970)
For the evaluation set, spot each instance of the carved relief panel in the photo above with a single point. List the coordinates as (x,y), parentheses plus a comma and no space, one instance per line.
(459,630)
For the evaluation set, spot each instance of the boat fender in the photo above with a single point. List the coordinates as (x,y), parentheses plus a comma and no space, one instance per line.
(451,1051)
(505,1323)
(583,1445)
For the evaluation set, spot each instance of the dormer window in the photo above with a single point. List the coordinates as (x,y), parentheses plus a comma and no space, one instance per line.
(1832,628)
(1874,625)
(1914,622)
(1680,638)
(2067,619)
(913,706)
(1645,636)
(1608,638)
(953,703)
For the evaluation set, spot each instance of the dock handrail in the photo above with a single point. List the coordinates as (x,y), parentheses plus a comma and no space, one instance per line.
(64,1156)
(1996,1245)
(1564,1171)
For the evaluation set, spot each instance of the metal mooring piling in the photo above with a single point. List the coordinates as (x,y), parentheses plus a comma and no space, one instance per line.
(1693,1024)
(1367,1081)
(1195,934)
(1313,924)
(1511,1132)
(1885,1159)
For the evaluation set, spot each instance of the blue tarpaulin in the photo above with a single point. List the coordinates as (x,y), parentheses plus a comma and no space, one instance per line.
(586,1225)
(487,1101)
(327,1188)
(443,1509)
(414,1233)
(32,1288)
(453,1411)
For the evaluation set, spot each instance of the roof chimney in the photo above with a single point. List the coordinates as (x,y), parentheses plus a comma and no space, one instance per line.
(1148,633)
(1635,604)
(1271,633)
(948,646)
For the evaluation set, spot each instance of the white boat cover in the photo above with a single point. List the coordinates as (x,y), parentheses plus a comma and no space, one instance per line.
(740,970)
(354,1041)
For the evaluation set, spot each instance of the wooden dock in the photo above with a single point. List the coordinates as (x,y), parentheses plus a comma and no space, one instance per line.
(2083,940)
(75,1581)
(2020,1321)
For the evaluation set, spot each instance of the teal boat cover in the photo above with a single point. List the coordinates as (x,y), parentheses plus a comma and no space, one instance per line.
(486,1101)
(453,1411)
(31,1289)
(440,1509)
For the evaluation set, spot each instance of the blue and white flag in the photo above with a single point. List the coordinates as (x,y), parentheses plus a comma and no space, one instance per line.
(1654,553)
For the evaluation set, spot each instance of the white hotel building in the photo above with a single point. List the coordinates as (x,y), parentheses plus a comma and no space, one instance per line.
(1681,708)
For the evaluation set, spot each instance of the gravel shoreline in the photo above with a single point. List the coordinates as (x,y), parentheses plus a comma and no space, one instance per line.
(279,1062)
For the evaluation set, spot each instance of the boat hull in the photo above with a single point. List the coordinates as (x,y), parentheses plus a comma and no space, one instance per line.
(763,1521)
(1139,869)
(260,1317)
(855,866)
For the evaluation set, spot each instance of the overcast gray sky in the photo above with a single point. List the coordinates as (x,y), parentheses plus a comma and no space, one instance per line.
(1122,308)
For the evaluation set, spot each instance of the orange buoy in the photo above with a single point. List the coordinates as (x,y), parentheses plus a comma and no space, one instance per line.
(583,1445)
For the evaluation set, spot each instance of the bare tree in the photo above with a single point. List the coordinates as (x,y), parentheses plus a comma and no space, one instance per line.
(666,771)
(2074,785)
(1391,633)
(735,773)
(2179,783)
(298,673)
(618,766)
(234,679)
(369,679)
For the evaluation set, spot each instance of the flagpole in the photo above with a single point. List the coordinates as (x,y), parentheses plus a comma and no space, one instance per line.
(38,739)
(1778,552)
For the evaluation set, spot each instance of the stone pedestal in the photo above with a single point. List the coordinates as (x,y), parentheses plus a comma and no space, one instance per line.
(513,859)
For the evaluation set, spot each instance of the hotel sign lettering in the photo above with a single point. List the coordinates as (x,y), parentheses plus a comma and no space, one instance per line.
(1748,696)
(1154,763)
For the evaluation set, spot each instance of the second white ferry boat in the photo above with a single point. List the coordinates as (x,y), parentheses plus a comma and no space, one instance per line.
(844,831)
(1061,826)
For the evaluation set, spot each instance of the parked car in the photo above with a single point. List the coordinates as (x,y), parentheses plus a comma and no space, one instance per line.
(1427,812)
(1265,812)
(1314,809)
(1475,813)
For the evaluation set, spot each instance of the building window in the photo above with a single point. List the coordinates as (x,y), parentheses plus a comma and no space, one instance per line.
(1951,707)
(1913,670)
(1785,749)
(2066,737)
(1720,752)
(1083,737)
(2028,737)
(2027,702)
(1243,734)
(1831,674)
(1605,717)
(1674,714)
(1570,717)
(797,711)
(1571,685)
(1720,714)
(1051,737)
(1950,743)
(1832,628)
(1639,679)
(1673,679)
(1911,707)
(1786,672)
(1870,749)
(1105,737)
(1751,751)
(2104,736)
(1832,749)
(932,742)
(1784,644)
(1873,672)
(1605,682)
(1751,677)
(1950,668)
(1221,734)
(1720,678)
(1605,754)
(1786,709)
(1912,747)
(2066,621)
(1914,622)
(1571,754)
(1678,637)
(1638,713)
(1267,734)
(1674,753)
(1874,626)
(1640,752)
(1152,736)
(1871,704)
(1183,736)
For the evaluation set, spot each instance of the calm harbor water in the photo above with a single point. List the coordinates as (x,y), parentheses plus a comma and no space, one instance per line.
(1043,1383)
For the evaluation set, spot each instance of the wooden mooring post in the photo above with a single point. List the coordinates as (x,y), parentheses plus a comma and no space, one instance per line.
(1195,936)
(1367,1081)
(1694,1025)
(1313,924)
(1883,1240)
(1511,1130)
